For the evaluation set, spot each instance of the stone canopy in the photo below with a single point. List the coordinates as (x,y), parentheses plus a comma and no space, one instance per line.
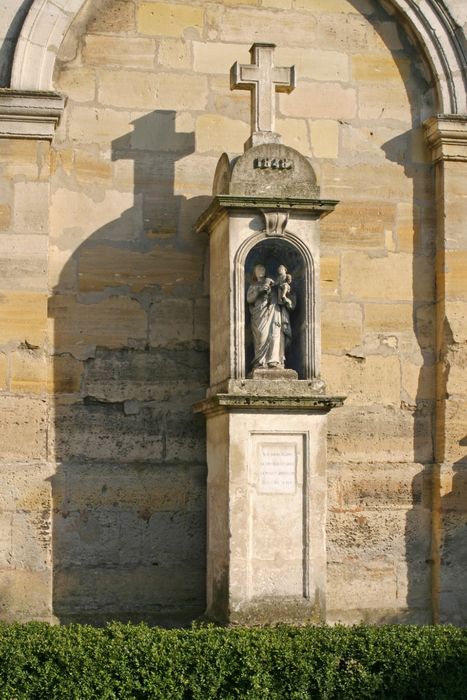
(268,170)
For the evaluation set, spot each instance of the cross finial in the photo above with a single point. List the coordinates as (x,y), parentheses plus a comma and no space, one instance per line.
(263,79)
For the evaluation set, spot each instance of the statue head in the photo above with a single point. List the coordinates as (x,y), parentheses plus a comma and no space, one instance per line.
(259,272)
(282,270)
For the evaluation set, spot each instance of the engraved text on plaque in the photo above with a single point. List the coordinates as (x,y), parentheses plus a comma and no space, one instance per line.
(277,468)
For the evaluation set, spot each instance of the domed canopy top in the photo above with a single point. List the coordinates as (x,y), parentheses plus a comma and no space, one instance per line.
(268,170)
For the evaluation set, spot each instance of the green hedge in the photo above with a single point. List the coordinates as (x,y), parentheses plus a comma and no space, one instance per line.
(135,661)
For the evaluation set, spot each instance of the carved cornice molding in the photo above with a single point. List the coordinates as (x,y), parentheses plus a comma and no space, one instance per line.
(223,203)
(221,403)
(29,114)
(447,137)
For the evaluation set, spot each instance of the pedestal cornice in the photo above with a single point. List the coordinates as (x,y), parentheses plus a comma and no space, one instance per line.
(446,135)
(222,204)
(221,403)
(29,114)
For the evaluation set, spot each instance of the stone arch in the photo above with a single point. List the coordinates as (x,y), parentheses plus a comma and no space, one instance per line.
(48,21)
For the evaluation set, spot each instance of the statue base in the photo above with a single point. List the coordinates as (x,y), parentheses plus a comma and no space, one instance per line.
(274,374)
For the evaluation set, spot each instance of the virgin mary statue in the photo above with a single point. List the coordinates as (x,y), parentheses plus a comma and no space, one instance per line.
(270,320)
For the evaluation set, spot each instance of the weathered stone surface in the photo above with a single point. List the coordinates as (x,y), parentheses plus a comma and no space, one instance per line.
(28,372)
(98,125)
(315,64)
(294,133)
(171,322)
(64,375)
(78,328)
(163,594)
(389,318)
(372,379)
(166,19)
(324,136)
(387,485)
(379,181)
(23,428)
(102,267)
(139,93)
(26,595)
(78,83)
(25,159)
(23,318)
(215,57)
(217,133)
(376,68)
(390,97)
(454,274)
(293,28)
(5,216)
(23,261)
(181,91)
(174,53)
(31,212)
(320,101)
(155,375)
(3,372)
(340,6)
(389,277)
(124,52)
(95,431)
(342,327)
(147,489)
(358,224)
(452,433)
(119,15)
(386,434)
(330,276)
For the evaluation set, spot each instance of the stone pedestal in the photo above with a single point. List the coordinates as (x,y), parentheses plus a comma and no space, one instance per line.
(266,502)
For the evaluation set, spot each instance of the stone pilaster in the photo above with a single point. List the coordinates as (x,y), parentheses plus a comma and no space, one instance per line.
(27,124)
(447,136)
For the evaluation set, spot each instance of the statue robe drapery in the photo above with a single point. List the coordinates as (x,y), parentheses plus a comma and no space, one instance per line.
(270,325)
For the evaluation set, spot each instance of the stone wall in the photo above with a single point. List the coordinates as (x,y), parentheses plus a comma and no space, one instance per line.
(105,481)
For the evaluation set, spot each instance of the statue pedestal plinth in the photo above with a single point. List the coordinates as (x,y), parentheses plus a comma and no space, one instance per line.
(266,503)
(274,375)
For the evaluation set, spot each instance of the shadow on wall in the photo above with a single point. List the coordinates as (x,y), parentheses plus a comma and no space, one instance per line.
(130,316)
(418,530)
(412,556)
(451,528)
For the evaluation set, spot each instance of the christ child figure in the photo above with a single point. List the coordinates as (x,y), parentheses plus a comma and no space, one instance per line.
(283,282)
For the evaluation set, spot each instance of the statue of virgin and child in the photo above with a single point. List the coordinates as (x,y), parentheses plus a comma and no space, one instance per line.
(270,302)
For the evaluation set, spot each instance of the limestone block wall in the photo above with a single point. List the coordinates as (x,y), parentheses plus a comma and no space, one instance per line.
(116,459)
(25,494)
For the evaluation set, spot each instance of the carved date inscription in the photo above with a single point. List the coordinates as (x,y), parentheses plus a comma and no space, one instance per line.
(273,163)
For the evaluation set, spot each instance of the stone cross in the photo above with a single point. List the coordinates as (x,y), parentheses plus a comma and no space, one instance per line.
(263,79)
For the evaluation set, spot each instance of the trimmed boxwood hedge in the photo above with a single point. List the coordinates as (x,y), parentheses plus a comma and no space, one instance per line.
(135,661)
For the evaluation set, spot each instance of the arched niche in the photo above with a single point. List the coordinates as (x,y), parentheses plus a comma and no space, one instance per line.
(302,355)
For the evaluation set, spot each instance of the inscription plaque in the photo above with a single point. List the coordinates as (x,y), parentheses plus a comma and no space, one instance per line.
(277,467)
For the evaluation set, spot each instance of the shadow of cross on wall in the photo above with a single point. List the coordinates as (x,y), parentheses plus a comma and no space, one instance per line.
(129,489)
(155,146)
(147,246)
